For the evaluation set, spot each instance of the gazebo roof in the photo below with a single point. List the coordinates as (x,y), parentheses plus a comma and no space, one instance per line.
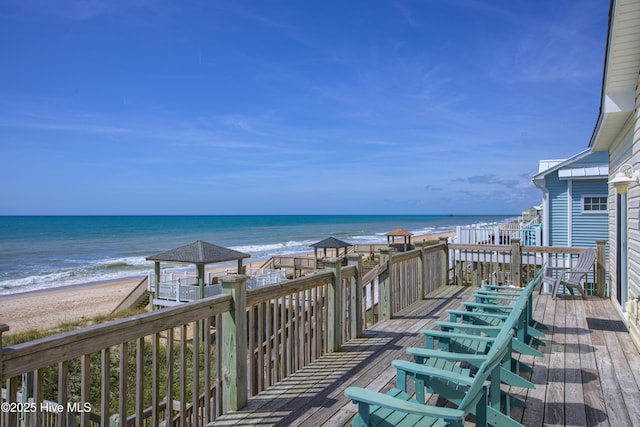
(331,242)
(198,252)
(398,232)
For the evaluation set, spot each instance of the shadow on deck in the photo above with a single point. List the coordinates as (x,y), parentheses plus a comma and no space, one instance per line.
(589,375)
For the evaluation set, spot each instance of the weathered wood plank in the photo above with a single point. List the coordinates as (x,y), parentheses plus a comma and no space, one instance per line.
(592,392)
(375,372)
(555,397)
(575,411)
(365,361)
(624,374)
(616,412)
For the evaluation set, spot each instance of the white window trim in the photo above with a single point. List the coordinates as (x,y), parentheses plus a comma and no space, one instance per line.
(600,212)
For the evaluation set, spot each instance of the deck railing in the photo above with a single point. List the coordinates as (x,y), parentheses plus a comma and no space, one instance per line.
(184,365)
(499,234)
(187,364)
(474,265)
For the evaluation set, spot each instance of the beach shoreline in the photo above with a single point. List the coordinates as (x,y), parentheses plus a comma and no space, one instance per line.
(48,307)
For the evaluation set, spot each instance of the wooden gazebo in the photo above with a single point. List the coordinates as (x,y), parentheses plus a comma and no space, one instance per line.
(199,253)
(399,232)
(330,243)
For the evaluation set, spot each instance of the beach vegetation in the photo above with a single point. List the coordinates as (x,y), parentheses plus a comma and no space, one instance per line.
(34,334)
(139,355)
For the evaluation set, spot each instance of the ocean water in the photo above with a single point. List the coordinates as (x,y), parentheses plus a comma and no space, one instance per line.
(39,252)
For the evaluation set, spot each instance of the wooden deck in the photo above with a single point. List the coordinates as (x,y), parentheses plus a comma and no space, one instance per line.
(589,375)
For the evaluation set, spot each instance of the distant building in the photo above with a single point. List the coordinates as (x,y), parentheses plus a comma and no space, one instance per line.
(574,203)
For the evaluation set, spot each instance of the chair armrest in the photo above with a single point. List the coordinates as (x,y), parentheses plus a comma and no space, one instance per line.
(578,271)
(447,326)
(444,334)
(444,355)
(503,287)
(497,295)
(477,314)
(369,397)
(487,306)
(428,371)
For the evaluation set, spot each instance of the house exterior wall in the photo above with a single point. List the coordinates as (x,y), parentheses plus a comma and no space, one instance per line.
(566,223)
(597,158)
(617,132)
(587,227)
(558,210)
(626,149)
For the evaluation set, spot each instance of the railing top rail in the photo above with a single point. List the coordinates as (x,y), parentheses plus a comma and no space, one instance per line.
(58,348)
(434,248)
(348,271)
(478,247)
(266,293)
(553,249)
(402,256)
(375,272)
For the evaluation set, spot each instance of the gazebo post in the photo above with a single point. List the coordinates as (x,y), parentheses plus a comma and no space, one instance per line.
(240,266)
(200,276)
(315,258)
(156,290)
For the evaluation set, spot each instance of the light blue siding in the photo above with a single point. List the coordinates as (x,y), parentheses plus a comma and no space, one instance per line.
(558,213)
(588,227)
(599,158)
(567,223)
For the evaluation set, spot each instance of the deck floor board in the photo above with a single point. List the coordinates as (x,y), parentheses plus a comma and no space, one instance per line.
(589,374)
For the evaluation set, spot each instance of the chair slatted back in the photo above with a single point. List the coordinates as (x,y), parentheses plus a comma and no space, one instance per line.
(585,261)
(489,367)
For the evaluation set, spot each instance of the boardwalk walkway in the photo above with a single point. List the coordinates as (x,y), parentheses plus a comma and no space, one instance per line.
(589,375)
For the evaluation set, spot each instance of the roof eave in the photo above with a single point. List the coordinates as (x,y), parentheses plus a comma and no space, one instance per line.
(620,74)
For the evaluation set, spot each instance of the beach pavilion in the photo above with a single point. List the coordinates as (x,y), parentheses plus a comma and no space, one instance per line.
(199,253)
(399,232)
(330,243)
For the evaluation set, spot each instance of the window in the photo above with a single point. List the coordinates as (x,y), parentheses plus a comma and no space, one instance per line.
(594,204)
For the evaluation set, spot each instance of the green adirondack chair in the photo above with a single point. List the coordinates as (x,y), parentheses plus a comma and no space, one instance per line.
(473,349)
(478,395)
(488,313)
(485,296)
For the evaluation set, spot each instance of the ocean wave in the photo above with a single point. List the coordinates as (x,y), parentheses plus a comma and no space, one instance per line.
(276,248)
(32,262)
(92,271)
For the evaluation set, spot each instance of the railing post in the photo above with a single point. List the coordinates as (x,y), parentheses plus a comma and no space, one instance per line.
(234,344)
(355,305)
(445,263)
(385,284)
(156,291)
(601,273)
(422,272)
(334,303)
(516,261)
(3,328)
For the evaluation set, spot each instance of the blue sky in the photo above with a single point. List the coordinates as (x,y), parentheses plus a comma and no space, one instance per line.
(292,107)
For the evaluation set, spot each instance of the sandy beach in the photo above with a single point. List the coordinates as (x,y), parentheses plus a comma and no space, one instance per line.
(47,308)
